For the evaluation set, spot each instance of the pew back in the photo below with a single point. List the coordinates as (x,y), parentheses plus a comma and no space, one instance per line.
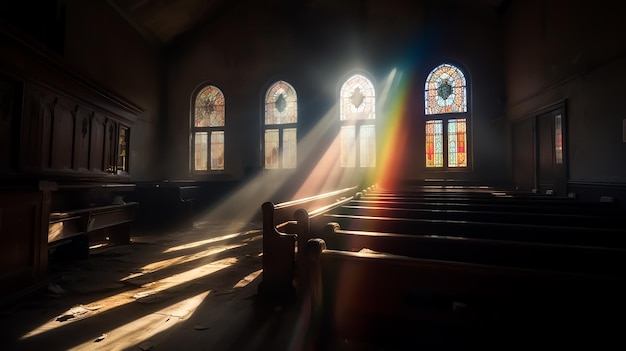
(382,298)
(279,239)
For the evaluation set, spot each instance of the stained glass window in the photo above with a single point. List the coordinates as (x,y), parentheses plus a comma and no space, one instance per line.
(208,130)
(348,147)
(281,104)
(367,146)
(290,144)
(457,156)
(271,148)
(357,99)
(446,110)
(201,152)
(445,90)
(281,117)
(357,112)
(217,150)
(209,108)
(558,139)
(434,143)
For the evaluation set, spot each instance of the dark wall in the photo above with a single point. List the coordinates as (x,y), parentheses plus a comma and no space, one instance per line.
(91,40)
(574,53)
(109,51)
(315,47)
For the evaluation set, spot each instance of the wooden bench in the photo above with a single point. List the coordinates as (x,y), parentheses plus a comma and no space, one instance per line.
(168,204)
(101,224)
(557,257)
(603,237)
(497,216)
(279,239)
(573,208)
(391,301)
(529,200)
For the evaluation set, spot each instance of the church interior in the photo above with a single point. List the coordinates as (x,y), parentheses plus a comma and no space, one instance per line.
(311,174)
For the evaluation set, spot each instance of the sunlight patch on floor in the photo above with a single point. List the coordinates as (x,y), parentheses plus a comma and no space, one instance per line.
(211,240)
(156,266)
(141,332)
(247,279)
(149,291)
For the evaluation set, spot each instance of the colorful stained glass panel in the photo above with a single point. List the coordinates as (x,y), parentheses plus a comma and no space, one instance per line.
(290,150)
(457,154)
(201,151)
(281,104)
(217,150)
(558,139)
(434,143)
(271,148)
(209,108)
(357,99)
(445,90)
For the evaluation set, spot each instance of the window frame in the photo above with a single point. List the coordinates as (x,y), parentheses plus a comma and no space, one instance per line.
(280,128)
(358,124)
(445,118)
(209,130)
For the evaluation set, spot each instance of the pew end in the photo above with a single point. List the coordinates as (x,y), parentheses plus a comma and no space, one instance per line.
(280,241)
(278,257)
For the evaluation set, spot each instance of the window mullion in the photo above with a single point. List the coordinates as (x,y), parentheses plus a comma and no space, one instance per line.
(446,143)
(280,146)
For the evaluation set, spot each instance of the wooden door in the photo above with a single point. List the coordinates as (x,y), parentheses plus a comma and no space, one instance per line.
(551,165)
(539,153)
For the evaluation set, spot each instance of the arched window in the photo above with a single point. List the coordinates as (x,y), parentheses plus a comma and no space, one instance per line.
(445,96)
(208,130)
(357,113)
(281,118)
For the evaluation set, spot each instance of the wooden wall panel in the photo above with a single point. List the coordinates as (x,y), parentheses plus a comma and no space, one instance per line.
(82,121)
(9,124)
(65,137)
(109,146)
(96,144)
(31,136)
(22,256)
(62,135)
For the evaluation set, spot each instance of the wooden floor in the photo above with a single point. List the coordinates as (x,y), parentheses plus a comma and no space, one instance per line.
(178,290)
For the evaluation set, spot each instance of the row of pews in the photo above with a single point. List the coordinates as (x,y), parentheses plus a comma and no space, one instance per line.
(43,221)
(84,215)
(441,266)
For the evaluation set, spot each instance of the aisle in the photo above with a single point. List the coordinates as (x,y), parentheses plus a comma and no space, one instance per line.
(197,287)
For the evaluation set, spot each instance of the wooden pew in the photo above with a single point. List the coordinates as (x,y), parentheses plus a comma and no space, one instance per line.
(78,228)
(518,239)
(391,301)
(603,237)
(279,239)
(558,257)
(573,208)
(88,213)
(528,200)
(542,216)
(167,204)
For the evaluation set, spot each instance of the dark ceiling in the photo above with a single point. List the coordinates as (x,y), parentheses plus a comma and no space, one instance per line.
(164,21)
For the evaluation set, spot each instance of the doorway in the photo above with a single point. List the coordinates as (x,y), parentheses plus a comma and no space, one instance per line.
(539,152)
